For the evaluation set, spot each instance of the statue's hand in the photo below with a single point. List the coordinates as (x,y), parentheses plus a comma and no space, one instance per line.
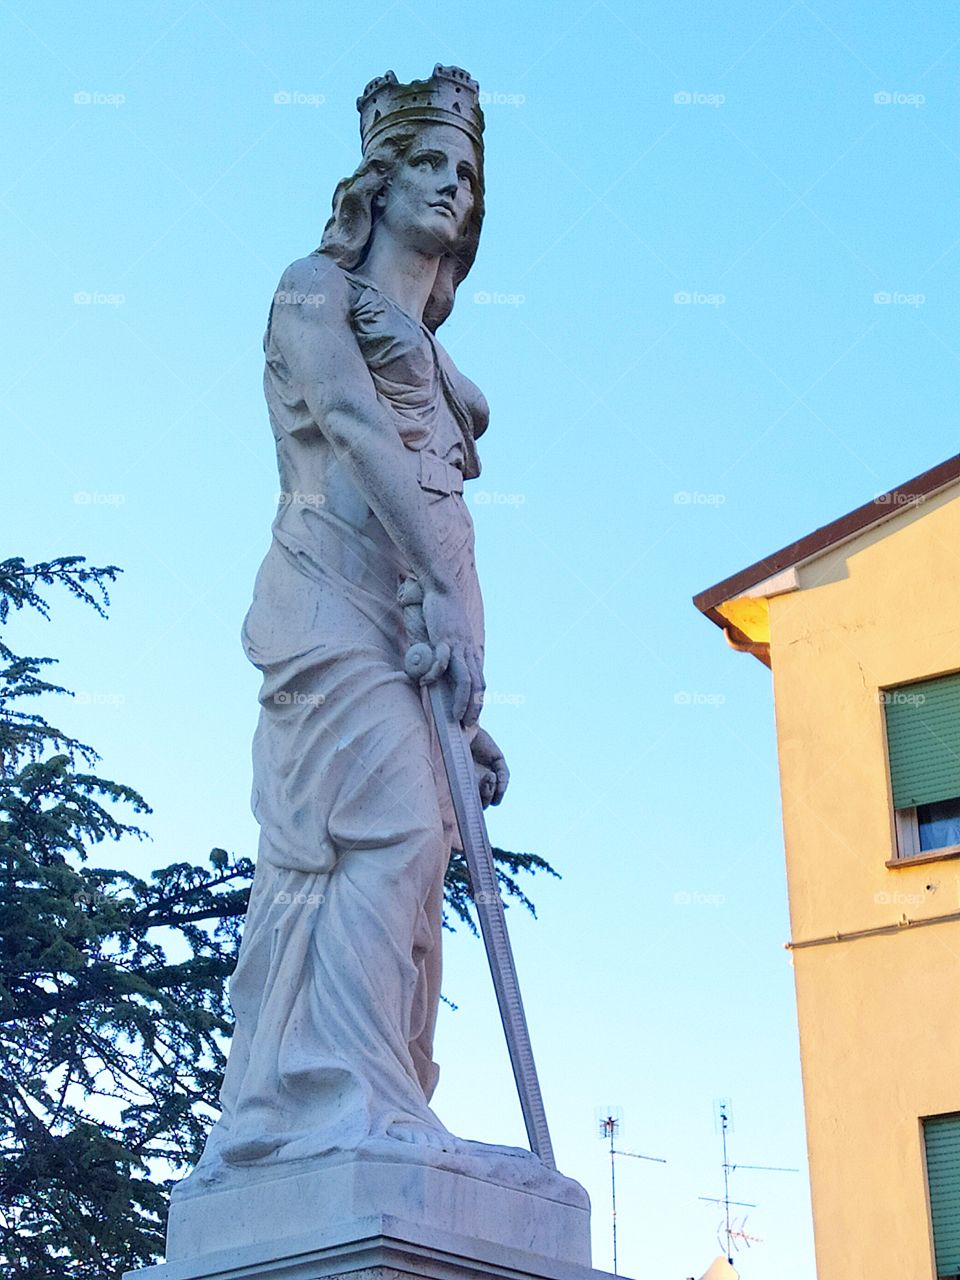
(451,637)
(492,772)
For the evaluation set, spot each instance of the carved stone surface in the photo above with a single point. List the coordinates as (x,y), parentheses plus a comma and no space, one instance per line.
(380,1246)
(326,1099)
(273,1212)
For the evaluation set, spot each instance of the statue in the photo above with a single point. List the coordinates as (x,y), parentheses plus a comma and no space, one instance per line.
(338,982)
(367,624)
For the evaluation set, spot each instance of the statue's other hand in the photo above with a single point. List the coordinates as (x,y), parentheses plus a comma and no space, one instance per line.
(492,772)
(449,633)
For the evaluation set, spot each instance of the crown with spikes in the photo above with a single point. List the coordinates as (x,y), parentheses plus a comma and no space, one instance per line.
(450,96)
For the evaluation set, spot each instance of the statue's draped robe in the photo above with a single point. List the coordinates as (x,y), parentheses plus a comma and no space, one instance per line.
(337,985)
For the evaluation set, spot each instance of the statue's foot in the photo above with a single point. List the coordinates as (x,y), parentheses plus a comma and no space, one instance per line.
(491,1150)
(243,1150)
(422,1135)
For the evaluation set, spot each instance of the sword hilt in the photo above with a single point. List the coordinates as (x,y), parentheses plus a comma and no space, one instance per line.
(419,657)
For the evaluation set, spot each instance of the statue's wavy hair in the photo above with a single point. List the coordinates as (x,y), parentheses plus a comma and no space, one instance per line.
(349,232)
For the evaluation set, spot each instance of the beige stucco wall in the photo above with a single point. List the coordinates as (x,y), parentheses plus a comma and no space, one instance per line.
(879,1017)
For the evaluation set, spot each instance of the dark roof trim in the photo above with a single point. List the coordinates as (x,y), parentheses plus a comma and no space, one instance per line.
(881,508)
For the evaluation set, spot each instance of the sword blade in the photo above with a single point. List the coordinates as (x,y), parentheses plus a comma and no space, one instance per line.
(458,763)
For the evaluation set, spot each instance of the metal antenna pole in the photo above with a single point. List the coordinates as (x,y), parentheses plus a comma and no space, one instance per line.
(730,1229)
(608,1129)
(613,1199)
(726,1180)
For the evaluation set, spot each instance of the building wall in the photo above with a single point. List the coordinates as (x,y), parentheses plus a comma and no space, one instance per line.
(879,1021)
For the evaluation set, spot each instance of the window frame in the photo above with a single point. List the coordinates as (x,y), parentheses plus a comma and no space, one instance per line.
(928,1191)
(905,827)
(908,840)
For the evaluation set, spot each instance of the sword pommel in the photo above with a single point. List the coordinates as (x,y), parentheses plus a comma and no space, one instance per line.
(420,657)
(418,660)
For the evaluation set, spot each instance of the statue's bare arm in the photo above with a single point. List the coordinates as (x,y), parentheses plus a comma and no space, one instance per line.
(321,352)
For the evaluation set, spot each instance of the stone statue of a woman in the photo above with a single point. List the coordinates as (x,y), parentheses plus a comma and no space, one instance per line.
(338,982)
(327,1159)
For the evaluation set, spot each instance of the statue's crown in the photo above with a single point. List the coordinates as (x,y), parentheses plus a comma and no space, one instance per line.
(450,96)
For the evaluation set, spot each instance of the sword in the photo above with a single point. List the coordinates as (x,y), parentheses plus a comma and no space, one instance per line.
(465,793)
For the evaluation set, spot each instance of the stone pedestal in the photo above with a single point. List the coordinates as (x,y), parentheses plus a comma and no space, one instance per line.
(375,1248)
(375,1220)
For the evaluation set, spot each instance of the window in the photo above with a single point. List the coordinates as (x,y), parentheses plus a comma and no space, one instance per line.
(941,1140)
(923,742)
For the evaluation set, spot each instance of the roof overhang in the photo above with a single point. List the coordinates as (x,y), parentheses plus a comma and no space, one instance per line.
(738,604)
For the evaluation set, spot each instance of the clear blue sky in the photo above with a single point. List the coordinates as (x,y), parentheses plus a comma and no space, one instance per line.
(640,450)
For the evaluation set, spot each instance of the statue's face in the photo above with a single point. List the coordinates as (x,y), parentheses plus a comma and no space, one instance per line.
(431,192)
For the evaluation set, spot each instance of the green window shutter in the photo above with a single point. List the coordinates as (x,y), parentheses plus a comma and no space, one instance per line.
(923,739)
(941,1136)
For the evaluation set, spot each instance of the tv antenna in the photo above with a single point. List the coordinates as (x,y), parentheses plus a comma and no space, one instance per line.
(729,1231)
(609,1120)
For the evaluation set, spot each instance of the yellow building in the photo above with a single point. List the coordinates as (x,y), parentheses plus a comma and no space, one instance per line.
(860,625)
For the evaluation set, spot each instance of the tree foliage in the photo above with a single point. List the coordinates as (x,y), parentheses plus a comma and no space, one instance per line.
(112,1050)
(114,1016)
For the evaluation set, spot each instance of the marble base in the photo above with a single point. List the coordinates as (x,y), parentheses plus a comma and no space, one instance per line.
(379,1247)
(266,1213)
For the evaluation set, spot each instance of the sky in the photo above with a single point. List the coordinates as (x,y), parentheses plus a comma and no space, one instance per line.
(714,307)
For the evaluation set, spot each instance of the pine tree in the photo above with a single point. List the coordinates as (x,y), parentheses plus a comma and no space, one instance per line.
(112,1050)
(114,1017)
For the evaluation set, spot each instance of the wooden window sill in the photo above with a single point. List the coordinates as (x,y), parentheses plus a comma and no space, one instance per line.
(919,859)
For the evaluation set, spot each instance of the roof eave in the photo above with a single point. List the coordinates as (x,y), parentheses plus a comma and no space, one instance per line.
(882,508)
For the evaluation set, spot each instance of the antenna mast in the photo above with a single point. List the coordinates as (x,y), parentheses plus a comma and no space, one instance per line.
(731,1231)
(609,1119)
